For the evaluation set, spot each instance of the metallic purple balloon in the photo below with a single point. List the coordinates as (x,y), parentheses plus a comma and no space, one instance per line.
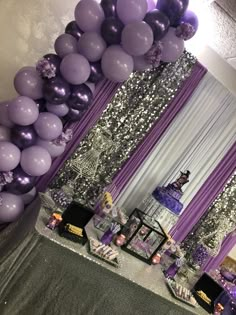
(96,73)
(23,136)
(59,110)
(5,133)
(151,5)
(75,114)
(56,91)
(48,126)
(9,156)
(173,9)
(92,46)
(41,104)
(191,18)
(22,182)
(29,196)
(81,97)
(158,22)
(73,29)
(130,11)
(54,62)
(65,44)
(53,149)
(11,207)
(4,117)
(28,82)
(109,7)
(111,30)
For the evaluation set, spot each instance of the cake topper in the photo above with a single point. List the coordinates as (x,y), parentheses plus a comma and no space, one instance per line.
(182,180)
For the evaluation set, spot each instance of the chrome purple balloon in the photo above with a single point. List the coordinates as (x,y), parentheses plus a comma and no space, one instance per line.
(173,9)
(111,30)
(75,114)
(41,104)
(158,22)
(29,196)
(73,29)
(56,91)
(81,97)
(96,73)
(23,136)
(22,183)
(109,7)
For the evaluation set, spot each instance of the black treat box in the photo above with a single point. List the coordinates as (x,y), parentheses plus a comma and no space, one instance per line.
(211,288)
(77,215)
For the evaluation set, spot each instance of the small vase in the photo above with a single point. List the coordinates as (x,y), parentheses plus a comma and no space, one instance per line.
(107,237)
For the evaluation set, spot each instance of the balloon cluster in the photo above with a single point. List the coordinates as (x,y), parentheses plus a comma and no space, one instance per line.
(110,39)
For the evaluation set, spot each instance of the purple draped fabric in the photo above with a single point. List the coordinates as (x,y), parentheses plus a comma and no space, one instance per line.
(205,196)
(131,166)
(227,245)
(103,94)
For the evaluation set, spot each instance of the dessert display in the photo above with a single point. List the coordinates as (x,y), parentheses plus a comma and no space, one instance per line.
(181,293)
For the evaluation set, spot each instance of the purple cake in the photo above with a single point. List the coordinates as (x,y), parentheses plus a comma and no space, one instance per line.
(170,195)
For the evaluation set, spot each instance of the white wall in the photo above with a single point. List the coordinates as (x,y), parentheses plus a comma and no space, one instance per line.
(232,254)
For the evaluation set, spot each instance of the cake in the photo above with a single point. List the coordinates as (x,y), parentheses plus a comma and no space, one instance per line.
(170,195)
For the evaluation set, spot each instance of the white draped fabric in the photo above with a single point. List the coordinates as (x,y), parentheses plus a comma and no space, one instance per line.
(198,139)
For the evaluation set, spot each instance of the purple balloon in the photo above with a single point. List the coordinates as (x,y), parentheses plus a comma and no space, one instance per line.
(137,38)
(23,111)
(54,62)
(91,86)
(81,97)
(48,126)
(75,69)
(28,82)
(41,104)
(11,207)
(23,136)
(173,46)
(141,64)
(73,29)
(173,9)
(29,197)
(111,30)
(22,182)
(53,149)
(89,15)
(96,74)
(117,65)
(59,110)
(75,114)
(5,133)
(109,7)
(92,46)
(130,11)
(191,18)
(35,161)
(158,22)
(56,91)
(151,5)
(65,44)
(9,156)
(4,117)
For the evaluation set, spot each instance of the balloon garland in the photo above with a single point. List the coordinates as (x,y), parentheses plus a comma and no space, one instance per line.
(109,39)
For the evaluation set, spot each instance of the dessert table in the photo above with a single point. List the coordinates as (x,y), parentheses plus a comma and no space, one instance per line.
(43,273)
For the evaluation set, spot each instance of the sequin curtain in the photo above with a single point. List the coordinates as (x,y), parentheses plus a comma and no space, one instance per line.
(219,221)
(137,105)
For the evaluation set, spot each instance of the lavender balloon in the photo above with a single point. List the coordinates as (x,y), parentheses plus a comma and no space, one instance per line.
(9,156)
(151,5)
(89,15)
(22,182)
(59,110)
(53,149)
(23,111)
(158,22)
(35,161)
(92,46)
(73,29)
(137,38)
(109,7)
(173,9)
(81,97)
(65,44)
(117,65)
(75,69)
(28,82)
(5,133)
(11,207)
(23,136)
(111,30)
(48,126)
(56,91)
(4,117)
(96,73)
(29,197)
(130,11)
(173,46)
(91,86)
(75,114)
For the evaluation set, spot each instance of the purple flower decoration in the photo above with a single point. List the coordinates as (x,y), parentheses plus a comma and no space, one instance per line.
(5,178)
(185,31)
(45,69)
(153,56)
(64,138)
(200,255)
